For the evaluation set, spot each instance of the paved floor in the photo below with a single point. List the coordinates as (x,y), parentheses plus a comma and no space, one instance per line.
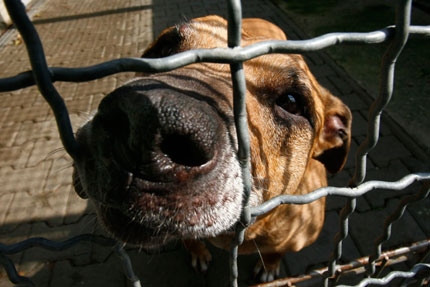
(36,196)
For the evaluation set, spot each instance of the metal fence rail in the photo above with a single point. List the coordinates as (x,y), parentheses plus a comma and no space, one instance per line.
(387,258)
(44,76)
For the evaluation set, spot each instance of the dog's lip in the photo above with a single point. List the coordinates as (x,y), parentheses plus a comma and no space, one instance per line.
(124,228)
(165,182)
(142,185)
(161,170)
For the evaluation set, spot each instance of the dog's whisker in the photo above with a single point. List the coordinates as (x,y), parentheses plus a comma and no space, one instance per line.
(92,220)
(63,168)
(259,254)
(123,245)
(83,114)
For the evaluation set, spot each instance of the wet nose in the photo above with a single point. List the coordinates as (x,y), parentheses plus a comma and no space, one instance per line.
(161,134)
(185,150)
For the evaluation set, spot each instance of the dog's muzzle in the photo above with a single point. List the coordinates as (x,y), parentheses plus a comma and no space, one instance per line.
(159,160)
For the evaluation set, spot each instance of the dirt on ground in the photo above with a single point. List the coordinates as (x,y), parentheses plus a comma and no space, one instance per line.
(410,104)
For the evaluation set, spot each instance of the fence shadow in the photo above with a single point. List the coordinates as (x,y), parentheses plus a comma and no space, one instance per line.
(91,15)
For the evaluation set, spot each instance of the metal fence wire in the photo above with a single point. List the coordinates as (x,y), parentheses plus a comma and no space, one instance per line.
(44,76)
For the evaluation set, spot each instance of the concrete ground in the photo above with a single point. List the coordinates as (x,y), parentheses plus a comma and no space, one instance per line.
(36,195)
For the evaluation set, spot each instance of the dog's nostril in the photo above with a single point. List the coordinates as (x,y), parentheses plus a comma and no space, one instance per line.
(183,150)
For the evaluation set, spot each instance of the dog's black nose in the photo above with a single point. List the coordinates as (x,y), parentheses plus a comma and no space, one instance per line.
(159,133)
(185,150)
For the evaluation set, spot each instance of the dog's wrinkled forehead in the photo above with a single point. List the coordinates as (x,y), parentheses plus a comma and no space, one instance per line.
(193,33)
(211,32)
(283,73)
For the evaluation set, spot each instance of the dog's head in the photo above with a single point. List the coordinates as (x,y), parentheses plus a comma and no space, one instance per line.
(160,154)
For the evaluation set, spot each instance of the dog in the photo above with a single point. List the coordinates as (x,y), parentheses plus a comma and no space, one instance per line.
(160,155)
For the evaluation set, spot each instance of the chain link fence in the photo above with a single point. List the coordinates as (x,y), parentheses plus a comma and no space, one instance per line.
(397,36)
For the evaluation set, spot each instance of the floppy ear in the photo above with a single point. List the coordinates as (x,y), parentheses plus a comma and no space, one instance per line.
(179,38)
(334,139)
(166,44)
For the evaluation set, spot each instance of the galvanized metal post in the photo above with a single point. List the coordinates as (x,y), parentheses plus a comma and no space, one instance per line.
(42,75)
(240,118)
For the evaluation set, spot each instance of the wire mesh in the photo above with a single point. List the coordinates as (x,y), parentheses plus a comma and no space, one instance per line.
(44,77)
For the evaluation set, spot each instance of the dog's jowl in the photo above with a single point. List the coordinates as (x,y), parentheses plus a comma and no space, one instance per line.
(160,153)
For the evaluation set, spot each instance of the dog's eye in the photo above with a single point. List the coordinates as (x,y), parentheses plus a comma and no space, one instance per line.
(291,104)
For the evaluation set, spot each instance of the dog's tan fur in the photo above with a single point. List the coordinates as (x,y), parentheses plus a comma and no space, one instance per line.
(287,156)
(275,170)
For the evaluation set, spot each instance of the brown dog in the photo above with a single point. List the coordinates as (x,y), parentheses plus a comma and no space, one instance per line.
(160,154)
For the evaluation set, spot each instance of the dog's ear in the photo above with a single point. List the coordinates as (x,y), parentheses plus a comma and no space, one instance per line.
(166,44)
(334,139)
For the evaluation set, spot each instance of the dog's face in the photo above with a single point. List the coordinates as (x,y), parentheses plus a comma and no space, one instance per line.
(160,154)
